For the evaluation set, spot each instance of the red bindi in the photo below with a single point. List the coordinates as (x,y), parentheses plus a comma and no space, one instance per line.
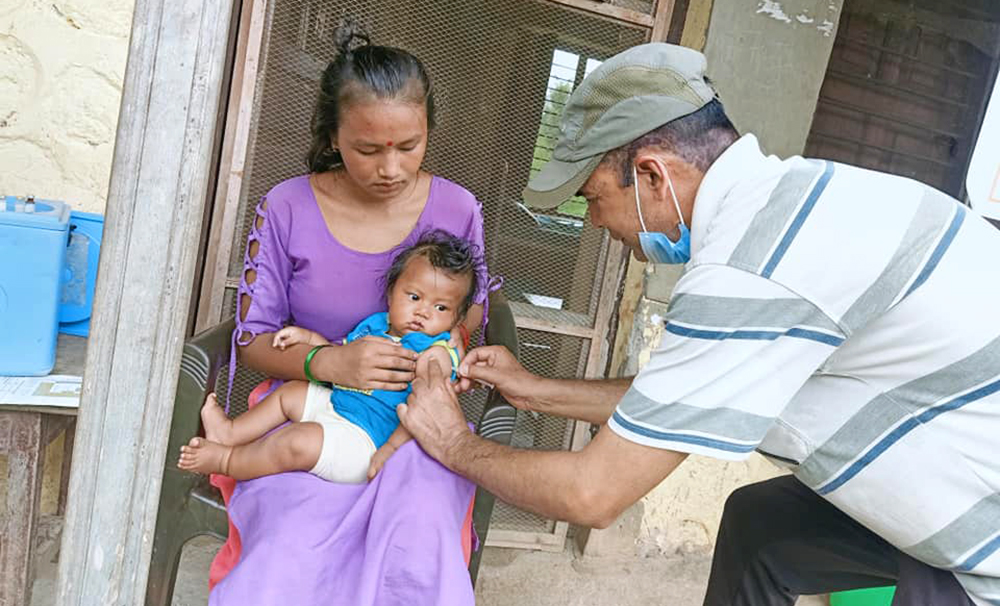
(389,143)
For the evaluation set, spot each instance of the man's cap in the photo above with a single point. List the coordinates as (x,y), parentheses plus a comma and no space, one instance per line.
(630,94)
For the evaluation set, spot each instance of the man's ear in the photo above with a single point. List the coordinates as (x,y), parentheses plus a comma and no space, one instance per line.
(651,171)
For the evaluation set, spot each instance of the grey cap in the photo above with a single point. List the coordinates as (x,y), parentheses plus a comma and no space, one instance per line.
(630,94)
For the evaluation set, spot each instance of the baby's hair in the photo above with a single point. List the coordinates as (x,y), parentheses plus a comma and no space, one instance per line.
(453,255)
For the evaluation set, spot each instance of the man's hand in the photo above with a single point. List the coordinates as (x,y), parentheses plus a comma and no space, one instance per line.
(496,366)
(432,413)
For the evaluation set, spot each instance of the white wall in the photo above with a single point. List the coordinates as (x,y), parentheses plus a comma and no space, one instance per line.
(61,69)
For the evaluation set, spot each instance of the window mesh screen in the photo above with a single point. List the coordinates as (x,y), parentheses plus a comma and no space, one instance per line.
(501,71)
(550,355)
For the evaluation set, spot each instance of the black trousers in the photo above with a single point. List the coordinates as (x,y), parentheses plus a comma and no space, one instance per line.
(780,540)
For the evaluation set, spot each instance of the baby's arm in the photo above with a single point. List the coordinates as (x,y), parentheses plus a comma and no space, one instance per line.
(293,335)
(397,439)
(444,357)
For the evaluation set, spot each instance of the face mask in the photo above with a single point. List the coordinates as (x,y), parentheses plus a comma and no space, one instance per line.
(657,247)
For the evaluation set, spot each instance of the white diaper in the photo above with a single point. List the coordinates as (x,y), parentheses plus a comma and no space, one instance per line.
(347,449)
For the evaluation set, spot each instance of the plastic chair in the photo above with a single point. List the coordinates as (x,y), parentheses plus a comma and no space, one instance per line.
(190,506)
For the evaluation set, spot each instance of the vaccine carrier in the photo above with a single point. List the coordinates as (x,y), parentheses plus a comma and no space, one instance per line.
(33,239)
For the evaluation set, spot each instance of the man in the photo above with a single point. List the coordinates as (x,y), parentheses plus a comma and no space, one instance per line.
(842,322)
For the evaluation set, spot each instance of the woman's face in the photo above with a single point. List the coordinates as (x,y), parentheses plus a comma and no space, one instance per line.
(383,145)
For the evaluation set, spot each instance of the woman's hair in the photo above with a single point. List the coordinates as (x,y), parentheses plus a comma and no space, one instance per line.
(453,255)
(362,73)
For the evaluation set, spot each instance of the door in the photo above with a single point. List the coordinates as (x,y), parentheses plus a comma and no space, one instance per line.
(905,87)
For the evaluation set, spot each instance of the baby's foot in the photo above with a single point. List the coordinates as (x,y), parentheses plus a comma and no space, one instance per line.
(205,457)
(218,427)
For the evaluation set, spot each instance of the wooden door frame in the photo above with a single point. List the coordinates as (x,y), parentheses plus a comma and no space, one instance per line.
(235,146)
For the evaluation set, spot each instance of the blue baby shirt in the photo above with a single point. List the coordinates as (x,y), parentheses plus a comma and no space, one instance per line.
(375,410)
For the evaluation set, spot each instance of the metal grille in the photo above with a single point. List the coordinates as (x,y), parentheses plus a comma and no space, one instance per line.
(552,355)
(642,6)
(501,71)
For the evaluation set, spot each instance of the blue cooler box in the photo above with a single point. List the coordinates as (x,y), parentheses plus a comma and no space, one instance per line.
(33,238)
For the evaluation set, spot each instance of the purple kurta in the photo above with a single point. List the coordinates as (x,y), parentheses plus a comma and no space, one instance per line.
(306,278)
(397,539)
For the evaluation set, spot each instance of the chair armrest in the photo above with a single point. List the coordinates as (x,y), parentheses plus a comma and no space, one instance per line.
(203,356)
(497,422)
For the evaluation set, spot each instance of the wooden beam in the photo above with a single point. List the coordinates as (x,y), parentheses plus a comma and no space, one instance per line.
(229,190)
(610,11)
(156,201)
(662,19)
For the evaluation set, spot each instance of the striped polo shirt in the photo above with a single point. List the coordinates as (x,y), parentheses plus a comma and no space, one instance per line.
(846,324)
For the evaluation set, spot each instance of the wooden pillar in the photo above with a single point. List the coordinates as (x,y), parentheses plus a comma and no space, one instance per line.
(156,202)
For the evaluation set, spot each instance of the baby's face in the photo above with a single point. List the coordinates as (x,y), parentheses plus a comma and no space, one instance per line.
(425,299)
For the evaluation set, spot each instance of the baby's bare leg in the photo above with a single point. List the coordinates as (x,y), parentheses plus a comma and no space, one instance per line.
(284,404)
(293,448)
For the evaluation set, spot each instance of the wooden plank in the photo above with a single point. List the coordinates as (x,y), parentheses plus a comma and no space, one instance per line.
(662,20)
(518,539)
(609,11)
(21,441)
(864,111)
(554,327)
(71,355)
(156,206)
(603,334)
(236,144)
(881,85)
(881,148)
(66,468)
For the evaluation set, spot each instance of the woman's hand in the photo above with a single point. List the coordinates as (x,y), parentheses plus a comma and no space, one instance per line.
(495,366)
(368,363)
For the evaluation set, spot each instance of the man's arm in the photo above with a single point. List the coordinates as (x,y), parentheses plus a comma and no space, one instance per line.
(591,401)
(590,487)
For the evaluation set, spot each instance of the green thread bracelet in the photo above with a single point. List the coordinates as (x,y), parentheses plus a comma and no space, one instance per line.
(309,359)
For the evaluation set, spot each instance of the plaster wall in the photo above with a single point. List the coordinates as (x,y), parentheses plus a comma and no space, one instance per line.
(61,68)
(768,59)
(682,514)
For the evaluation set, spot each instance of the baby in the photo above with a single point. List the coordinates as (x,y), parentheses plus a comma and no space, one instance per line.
(346,435)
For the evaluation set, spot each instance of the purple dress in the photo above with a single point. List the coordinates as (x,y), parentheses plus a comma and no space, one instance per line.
(306,541)
(306,278)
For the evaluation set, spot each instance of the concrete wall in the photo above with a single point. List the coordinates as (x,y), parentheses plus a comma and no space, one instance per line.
(682,514)
(61,69)
(768,59)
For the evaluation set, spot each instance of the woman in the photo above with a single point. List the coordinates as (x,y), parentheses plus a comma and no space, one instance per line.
(314,258)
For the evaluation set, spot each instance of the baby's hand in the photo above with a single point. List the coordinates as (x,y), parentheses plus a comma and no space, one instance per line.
(286,337)
(293,335)
(379,458)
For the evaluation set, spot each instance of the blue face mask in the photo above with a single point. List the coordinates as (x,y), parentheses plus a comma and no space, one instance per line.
(657,247)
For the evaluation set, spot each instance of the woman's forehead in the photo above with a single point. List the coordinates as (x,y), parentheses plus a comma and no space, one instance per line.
(378,119)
